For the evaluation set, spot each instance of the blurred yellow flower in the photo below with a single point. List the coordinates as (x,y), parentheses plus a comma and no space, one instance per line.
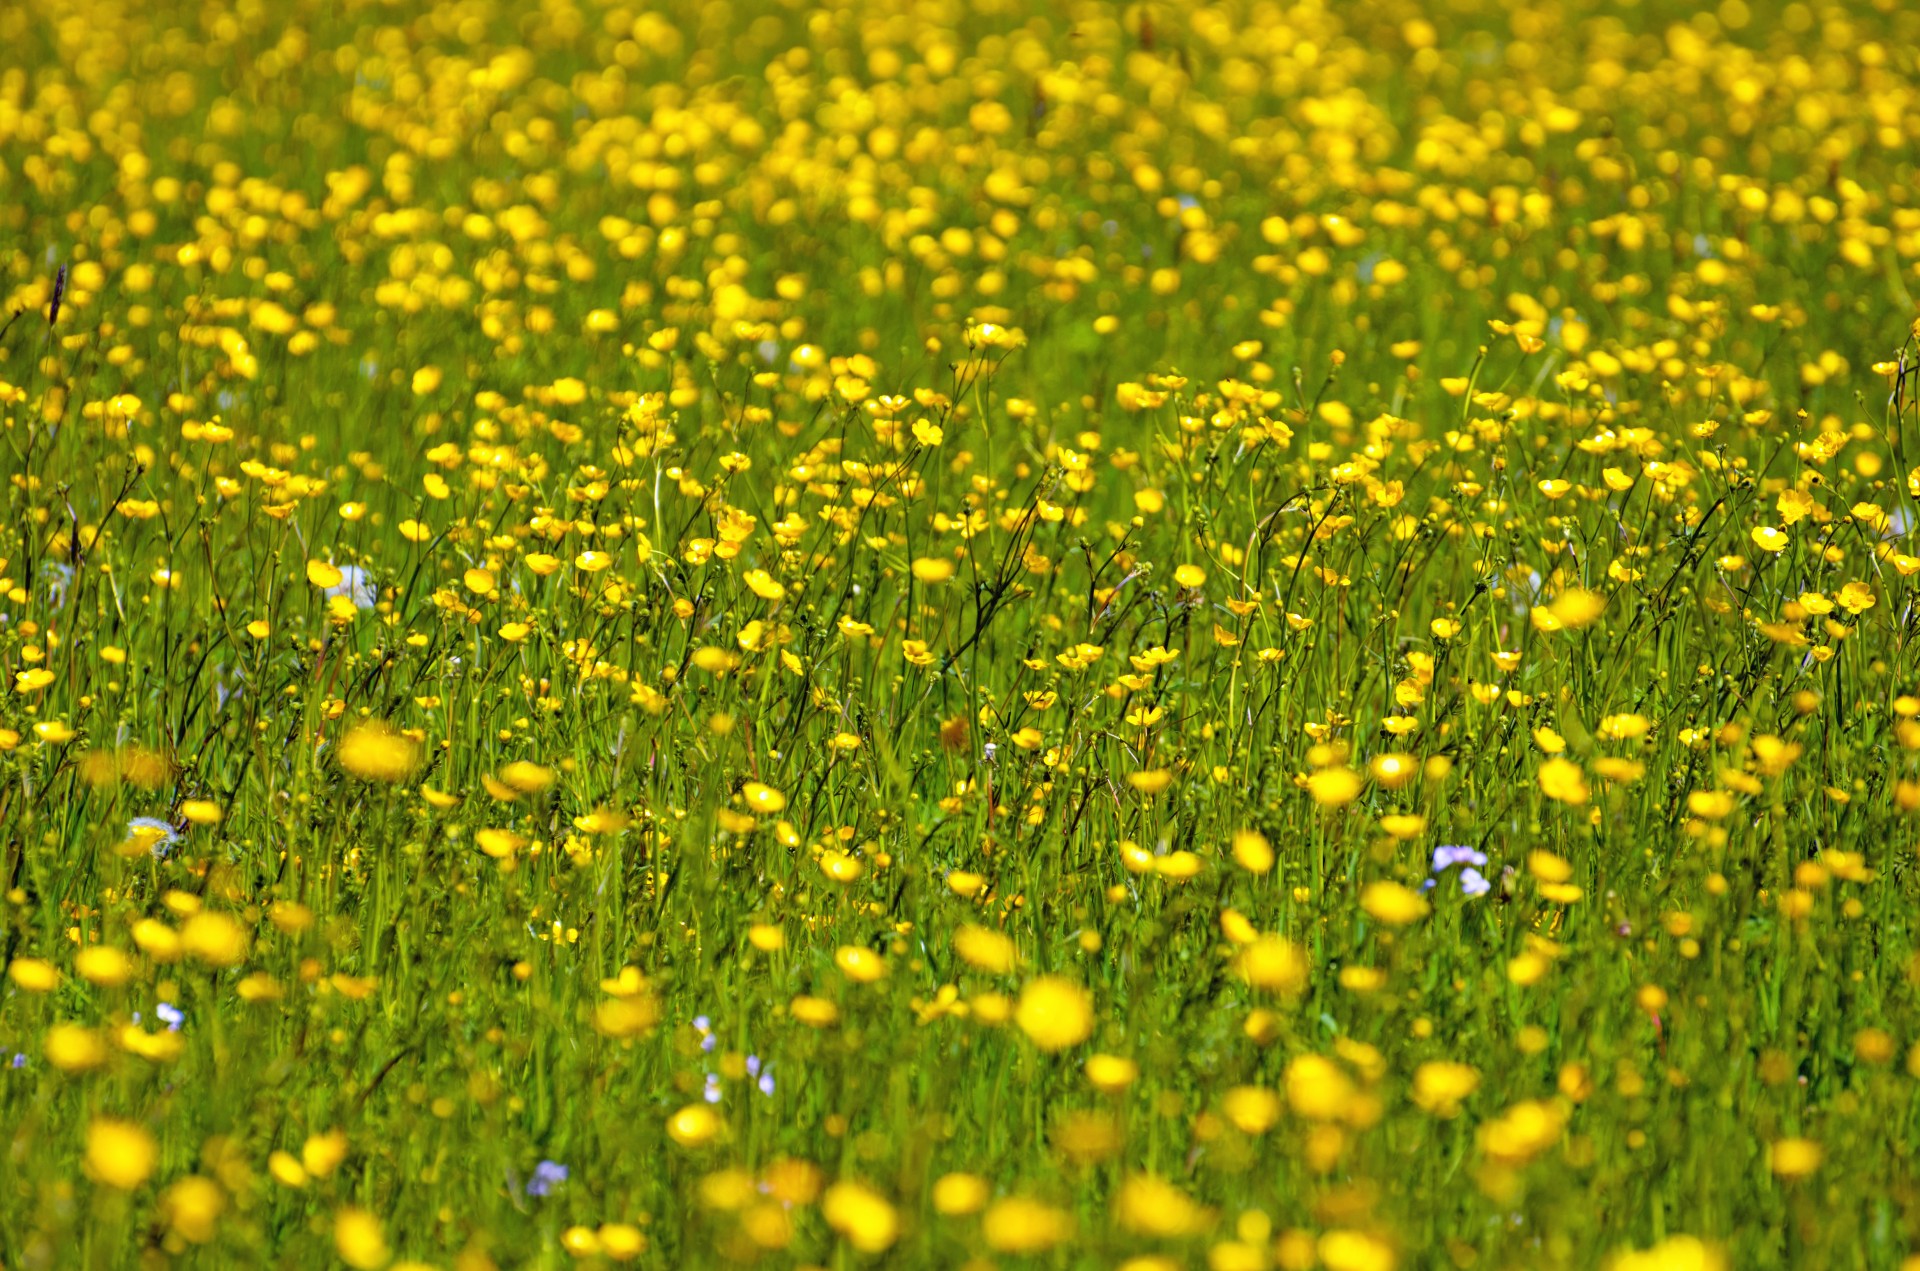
(120,1154)
(1021,1225)
(1054,1012)
(375,751)
(1393,904)
(862,1216)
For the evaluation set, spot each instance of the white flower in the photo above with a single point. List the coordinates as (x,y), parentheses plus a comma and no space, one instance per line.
(152,830)
(355,586)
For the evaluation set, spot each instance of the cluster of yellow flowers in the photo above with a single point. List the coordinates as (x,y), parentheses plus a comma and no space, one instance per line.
(730,633)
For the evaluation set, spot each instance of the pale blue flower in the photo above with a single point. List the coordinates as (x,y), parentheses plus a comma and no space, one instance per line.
(356,585)
(547,1175)
(163,830)
(1446,857)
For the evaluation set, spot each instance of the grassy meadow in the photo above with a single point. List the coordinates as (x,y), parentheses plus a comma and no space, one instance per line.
(1258,636)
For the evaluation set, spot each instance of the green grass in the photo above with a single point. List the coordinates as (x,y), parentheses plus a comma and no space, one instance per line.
(751,499)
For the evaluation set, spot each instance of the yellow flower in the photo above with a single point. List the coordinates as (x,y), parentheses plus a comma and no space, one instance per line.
(1403,826)
(763,798)
(1334,787)
(814,1012)
(1342,1250)
(1252,851)
(35,975)
(1393,903)
(693,1126)
(192,1207)
(72,1048)
(1319,1089)
(103,965)
(375,751)
(863,1217)
(1393,770)
(1440,1085)
(360,1239)
(958,1194)
(986,949)
(120,1154)
(933,569)
(763,584)
(1111,1073)
(1055,1012)
(1153,781)
(1528,968)
(1273,963)
(1019,1225)
(842,867)
(497,843)
(1675,1253)
(1769,539)
(201,811)
(623,1242)
(1857,597)
(1562,780)
(1713,805)
(515,779)
(1178,866)
(32,680)
(321,1154)
(1576,607)
(1795,1158)
(215,939)
(1251,1109)
(627,1016)
(1794,505)
(859,963)
(1773,755)
(1151,1206)
(1523,1131)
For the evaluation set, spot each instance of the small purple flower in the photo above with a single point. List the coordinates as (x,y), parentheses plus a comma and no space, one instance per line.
(704,1026)
(19,1060)
(764,1082)
(547,1175)
(1448,856)
(1473,882)
(172,1016)
(712,1091)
